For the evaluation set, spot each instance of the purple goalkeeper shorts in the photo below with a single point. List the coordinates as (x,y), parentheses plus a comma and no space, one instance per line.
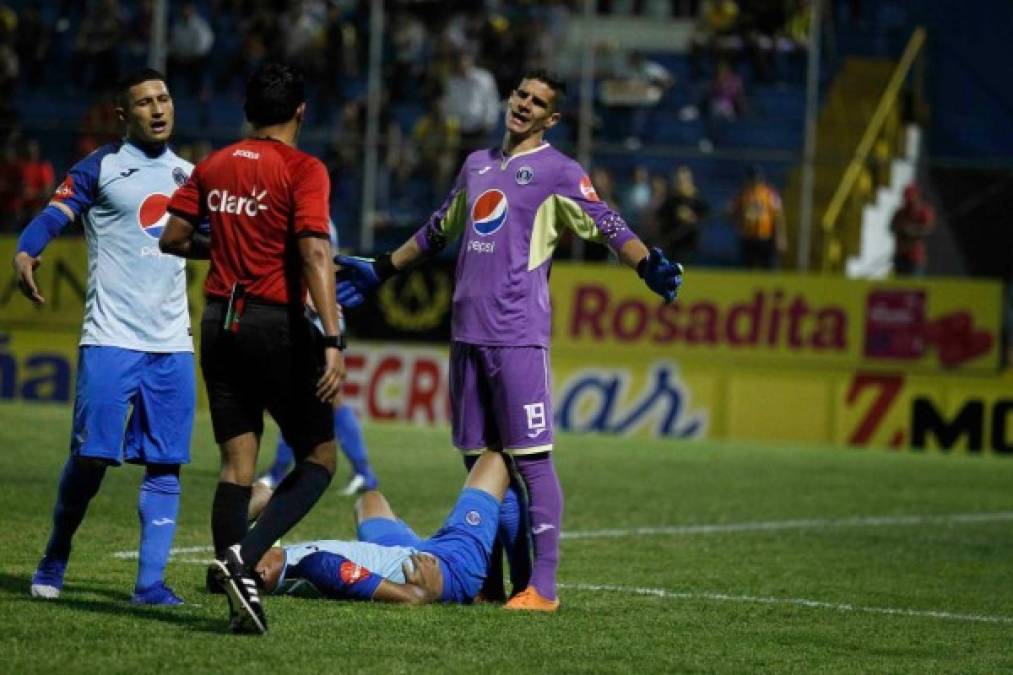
(500,398)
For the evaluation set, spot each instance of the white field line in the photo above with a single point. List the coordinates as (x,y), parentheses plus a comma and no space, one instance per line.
(800,524)
(718,528)
(797,602)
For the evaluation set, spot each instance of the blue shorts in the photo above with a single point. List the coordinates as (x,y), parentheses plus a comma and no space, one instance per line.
(387,532)
(159,391)
(463,545)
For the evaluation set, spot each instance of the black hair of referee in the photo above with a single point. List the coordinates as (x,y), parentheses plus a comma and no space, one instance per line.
(275,107)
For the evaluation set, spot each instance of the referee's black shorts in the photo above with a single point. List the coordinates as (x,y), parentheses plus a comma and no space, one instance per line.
(271,363)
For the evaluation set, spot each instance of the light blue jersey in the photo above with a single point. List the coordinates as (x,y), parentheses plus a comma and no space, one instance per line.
(136,295)
(384,561)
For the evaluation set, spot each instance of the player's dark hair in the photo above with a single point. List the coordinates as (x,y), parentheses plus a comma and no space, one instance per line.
(554,82)
(132,79)
(273,92)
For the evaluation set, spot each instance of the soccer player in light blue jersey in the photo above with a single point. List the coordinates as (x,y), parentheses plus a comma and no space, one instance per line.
(136,349)
(347,430)
(390,563)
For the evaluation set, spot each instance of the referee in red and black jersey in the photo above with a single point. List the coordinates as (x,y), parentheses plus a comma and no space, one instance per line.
(267,204)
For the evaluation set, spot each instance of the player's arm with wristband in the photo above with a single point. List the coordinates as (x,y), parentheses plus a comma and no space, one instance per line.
(359,276)
(661,275)
(594,220)
(33,240)
(75,194)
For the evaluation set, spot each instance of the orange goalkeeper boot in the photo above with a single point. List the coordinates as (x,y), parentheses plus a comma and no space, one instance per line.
(530,600)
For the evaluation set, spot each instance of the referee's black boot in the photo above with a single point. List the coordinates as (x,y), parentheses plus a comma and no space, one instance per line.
(246,614)
(211,584)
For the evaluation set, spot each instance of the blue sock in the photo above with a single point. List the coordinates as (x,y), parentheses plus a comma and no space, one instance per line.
(157,507)
(284,456)
(513,533)
(349,435)
(79,482)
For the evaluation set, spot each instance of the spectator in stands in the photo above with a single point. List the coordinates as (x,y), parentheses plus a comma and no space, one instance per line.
(716,34)
(410,45)
(9,70)
(37,178)
(96,64)
(138,32)
(766,20)
(100,124)
(303,27)
(194,152)
(604,185)
(190,47)
(637,197)
(760,222)
(677,221)
(659,193)
(725,102)
(913,221)
(32,45)
(435,141)
(10,188)
(637,86)
(474,101)
(258,31)
(793,40)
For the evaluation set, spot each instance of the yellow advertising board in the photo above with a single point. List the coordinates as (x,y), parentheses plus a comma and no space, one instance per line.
(766,357)
(665,398)
(782,320)
(637,397)
(62,279)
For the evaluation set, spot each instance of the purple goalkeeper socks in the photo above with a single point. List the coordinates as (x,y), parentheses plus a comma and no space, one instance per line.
(545,500)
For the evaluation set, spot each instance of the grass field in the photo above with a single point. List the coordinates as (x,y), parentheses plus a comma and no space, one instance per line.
(679,557)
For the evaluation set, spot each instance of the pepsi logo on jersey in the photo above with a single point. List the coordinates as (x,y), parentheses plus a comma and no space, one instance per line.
(151,214)
(489,212)
(482,246)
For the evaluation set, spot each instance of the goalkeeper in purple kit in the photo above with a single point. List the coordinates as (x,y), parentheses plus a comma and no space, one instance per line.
(509,206)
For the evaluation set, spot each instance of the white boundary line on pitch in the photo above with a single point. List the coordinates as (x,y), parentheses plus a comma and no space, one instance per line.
(800,524)
(756,526)
(797,602)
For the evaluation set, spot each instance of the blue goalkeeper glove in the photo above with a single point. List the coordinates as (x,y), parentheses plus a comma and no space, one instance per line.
(660,275)
(359,276)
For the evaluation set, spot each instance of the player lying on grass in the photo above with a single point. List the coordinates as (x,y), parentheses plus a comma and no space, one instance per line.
(390,563)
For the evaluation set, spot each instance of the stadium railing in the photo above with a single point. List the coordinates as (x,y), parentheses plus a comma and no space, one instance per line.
(841,222)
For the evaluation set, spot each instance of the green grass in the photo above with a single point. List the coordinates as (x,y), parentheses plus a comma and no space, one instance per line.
(711,621)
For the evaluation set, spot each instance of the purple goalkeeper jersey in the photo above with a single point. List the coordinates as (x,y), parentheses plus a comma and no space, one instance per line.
(510,213)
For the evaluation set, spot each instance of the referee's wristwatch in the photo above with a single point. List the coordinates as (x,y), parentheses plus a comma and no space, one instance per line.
(335,341)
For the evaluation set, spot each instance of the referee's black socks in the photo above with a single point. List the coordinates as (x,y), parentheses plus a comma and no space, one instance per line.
(293,499)
(229,515)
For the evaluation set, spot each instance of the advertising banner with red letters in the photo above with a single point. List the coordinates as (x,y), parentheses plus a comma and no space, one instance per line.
(782,320)
(910,364)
